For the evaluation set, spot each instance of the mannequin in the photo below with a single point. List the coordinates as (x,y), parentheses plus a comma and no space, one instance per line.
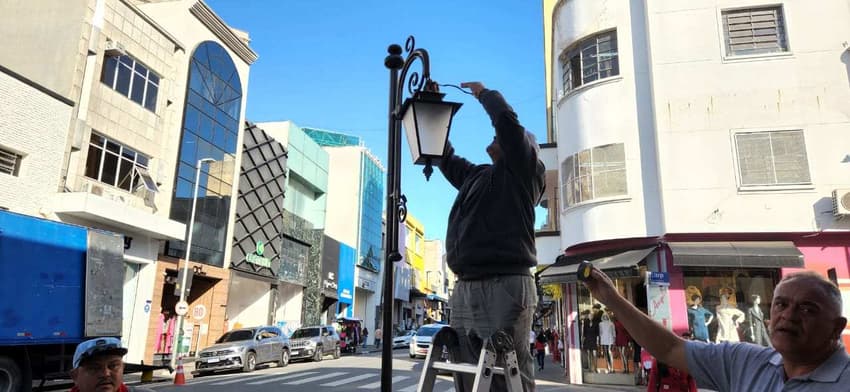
(589,336)
(728,319)
(755,319)
(621,343)
(607,334)
(698,317)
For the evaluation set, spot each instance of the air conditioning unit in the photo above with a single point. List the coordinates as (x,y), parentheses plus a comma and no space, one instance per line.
(841,202)
(114,48)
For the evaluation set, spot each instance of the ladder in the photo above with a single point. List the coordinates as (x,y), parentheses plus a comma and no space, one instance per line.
(497,349)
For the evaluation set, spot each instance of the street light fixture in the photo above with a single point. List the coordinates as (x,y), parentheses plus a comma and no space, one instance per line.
(176,348)
(427,119)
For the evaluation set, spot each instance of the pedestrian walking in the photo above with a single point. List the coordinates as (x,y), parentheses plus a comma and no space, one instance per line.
(365,335)
(490,237)
(378,334)
(540,348)
(98,366)
(805,331)
(532,337)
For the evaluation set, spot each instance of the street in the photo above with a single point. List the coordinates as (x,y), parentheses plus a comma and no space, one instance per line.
(349,373)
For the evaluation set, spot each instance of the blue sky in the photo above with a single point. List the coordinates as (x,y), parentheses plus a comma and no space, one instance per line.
(321,65)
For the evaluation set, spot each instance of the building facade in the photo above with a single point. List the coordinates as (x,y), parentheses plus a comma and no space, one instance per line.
(355,194)
(300,297)
(120,85)
(723,170)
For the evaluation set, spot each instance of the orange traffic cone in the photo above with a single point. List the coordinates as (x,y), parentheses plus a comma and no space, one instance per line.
(179,377)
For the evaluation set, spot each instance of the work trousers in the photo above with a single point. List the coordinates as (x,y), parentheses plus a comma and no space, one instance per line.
(482,307)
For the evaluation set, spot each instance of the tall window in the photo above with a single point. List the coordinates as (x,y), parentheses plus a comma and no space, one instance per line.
(371,253)
(132,79)
(772,158)
(754,31)
(115,164)
(591,59)
(595,173)
(10,162)
(210,129)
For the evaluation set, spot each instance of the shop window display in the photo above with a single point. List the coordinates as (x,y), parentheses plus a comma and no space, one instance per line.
(713,298)
(606,347)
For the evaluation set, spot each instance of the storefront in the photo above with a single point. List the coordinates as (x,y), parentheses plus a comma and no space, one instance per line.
(205,322)
(345,292)
(253,283)
(717,291)
(329,279)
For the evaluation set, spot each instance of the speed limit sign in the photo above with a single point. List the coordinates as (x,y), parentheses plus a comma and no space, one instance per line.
(181,308)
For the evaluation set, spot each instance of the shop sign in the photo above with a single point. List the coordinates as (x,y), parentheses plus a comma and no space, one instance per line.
(346,294)
(658,278)
(330,282)
(366,284)
(257,257)
(199,312)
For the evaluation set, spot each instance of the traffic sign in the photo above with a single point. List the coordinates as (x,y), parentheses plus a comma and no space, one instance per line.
(181,308)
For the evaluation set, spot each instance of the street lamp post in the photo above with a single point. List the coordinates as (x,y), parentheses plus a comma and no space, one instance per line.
(427,120)
(176,348)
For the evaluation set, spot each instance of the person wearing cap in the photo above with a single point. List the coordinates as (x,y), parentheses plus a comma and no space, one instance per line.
(490,237)
(98,366)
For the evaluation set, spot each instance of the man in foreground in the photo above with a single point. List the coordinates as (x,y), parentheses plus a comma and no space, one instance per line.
(490,238)
(99,367)
(805,326)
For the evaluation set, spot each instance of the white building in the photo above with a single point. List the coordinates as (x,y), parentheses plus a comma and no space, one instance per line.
(700,139)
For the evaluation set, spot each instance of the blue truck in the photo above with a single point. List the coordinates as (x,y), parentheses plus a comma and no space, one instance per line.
(59,285)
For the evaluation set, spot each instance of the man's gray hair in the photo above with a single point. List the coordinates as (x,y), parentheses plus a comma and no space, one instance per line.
(532,140)
(828,287)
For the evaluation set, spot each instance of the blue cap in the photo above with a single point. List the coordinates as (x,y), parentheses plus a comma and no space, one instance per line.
(97,346)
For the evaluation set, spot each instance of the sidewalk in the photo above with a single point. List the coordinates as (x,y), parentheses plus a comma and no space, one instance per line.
(554,375)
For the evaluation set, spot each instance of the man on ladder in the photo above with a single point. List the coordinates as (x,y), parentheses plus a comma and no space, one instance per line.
(490,239)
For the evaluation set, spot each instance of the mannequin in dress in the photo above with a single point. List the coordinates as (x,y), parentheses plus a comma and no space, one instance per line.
(755,319)
(589,336)
(698,317)
(728,319)
(607,334)
(621,343)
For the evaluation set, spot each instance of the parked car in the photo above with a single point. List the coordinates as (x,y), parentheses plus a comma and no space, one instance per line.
(244,349)
(402,339)
(315,342)
(420,344)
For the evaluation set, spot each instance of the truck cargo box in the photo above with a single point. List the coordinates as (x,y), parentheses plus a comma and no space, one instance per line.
(59,283)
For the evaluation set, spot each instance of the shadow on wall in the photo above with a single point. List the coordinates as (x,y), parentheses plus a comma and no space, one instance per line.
(845,58)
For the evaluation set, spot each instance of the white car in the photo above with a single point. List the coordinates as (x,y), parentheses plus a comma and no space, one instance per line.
(420,344)
(403,339)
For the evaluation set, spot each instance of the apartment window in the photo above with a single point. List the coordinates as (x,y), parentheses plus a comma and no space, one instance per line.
(594,173)
(772,158)
(117,165)
(591,59)
(132,79)
(754,31)
(10,162)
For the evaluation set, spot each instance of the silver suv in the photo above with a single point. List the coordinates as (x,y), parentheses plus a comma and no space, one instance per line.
(244,349)
(315,342)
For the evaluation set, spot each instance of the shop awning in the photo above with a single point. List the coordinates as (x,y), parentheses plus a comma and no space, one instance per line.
(620,265)
(752,254)
(435,297)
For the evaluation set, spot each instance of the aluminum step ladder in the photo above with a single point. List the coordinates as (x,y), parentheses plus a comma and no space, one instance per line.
(445,353)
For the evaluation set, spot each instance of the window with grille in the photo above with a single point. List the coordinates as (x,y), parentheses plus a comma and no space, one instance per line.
(117,165)
(594,173)
(772,158)
(132,79)
(10,162)
(754,31)
(591,59)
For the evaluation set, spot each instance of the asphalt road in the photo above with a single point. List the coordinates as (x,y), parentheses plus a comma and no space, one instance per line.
(349,373)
